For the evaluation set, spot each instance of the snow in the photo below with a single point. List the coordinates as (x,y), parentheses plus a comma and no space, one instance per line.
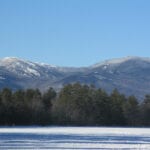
(2,78)
(47,65)
(82,138)
(19,66)
(32,71)
(105,67)
(118,61)
(10,59)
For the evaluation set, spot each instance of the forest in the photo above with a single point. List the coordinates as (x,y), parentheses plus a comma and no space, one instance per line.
(75,105)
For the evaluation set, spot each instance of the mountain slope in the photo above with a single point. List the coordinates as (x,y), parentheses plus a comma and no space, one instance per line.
(130,75)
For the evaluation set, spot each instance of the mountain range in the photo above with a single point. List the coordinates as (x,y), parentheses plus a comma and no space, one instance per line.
(130,75)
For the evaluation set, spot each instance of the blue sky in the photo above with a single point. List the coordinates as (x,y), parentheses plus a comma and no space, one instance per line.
(74,32)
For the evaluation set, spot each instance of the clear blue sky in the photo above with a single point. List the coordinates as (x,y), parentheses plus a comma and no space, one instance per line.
(74,32)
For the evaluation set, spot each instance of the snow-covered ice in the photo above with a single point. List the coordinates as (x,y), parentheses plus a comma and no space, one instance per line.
(83,138)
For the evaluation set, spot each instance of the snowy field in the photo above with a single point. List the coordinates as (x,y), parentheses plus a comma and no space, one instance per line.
(69,138)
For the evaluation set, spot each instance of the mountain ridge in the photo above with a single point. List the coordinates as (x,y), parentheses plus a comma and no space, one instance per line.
(112,61)
(130,75)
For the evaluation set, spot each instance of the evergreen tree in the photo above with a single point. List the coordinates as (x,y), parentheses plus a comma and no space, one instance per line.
(102,109)
(131,111)
(116,103)
(6,109)
(145,111)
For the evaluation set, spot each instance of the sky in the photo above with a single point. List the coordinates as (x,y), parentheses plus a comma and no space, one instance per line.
(74,32)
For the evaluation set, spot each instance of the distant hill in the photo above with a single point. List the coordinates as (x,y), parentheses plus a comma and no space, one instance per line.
(130,75)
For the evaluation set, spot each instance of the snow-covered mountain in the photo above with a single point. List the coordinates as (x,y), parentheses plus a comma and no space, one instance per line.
(130,75)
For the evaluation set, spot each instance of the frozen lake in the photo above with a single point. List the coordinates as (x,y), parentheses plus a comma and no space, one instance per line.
(69,138)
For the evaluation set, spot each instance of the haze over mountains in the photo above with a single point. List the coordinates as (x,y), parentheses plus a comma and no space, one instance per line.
(130,75)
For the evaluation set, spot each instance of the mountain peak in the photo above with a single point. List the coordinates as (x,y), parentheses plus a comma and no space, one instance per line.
(116,61)
(10,59)
(19,67)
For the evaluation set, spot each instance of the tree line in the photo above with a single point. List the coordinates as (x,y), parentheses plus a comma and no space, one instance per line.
(75,104)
